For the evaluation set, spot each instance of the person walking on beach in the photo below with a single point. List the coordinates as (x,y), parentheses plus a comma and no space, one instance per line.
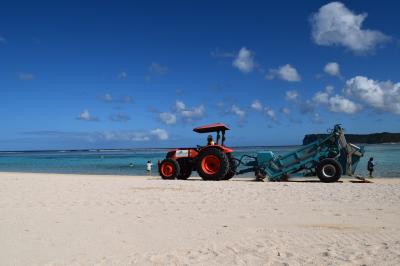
(370,166)
(149,165)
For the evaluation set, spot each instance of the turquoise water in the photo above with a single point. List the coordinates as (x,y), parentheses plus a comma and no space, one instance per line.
(118,162)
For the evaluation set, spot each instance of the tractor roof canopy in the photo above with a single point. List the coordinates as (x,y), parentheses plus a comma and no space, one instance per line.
(211,128)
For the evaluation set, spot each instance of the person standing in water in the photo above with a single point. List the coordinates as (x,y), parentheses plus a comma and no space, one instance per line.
(148,169)
(370,166)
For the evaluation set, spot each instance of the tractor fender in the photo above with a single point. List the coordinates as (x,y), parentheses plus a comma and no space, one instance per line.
(219,147)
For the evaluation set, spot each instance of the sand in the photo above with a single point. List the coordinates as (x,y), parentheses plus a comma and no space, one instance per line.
(54,219)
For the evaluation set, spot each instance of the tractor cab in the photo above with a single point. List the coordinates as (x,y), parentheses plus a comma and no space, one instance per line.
(219,128)
(213,161)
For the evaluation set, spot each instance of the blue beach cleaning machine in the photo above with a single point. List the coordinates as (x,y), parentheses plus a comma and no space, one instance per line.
(328,158)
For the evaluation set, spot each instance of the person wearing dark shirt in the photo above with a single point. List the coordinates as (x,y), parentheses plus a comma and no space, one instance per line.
(370,166)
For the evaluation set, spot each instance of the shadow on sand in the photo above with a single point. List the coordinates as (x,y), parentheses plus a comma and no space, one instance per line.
(248,179)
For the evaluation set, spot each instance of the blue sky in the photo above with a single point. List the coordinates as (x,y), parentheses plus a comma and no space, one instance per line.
(120,75)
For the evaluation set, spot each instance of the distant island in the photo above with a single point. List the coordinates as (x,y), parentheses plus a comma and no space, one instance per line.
(375,138)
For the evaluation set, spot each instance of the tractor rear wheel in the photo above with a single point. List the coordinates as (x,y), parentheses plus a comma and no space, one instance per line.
(328,170)
(169,169)
(212,164)
(185,166)
(232,167)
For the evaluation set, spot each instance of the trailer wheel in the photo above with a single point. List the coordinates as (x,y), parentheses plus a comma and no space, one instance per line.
(169,169)
(232,167)
(185,169)
(328,170)
(212,164)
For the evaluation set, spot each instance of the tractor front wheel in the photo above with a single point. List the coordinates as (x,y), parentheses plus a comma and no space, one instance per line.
(328,170)
(212,164)
(169,169)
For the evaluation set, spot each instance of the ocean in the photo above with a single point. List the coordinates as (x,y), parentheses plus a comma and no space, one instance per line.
(133,161)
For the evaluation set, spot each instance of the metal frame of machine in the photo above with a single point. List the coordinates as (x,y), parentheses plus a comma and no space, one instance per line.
(328,158)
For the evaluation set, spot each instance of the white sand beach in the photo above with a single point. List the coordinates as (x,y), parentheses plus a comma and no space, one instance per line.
(54,219)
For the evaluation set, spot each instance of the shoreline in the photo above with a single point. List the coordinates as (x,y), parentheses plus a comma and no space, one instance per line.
(245,177)
(66,219)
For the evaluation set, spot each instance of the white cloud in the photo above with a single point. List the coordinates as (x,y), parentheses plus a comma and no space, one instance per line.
(339,104)
(321,97)
(122,75)
(158,134)
(120,117)
(332,68)
(286,72)
(156,70)
(181,111)
(317,119)
(126,99)
(257,105)
(161,134)
(335,24)
(86,116)
(26,76)
(193,113)
(110,99)
(220,105)
(104,136)
(123,136)
(217,53)
(270,113)
(329,89)
(292,95)
(179,106)
(107,97)
(267,111)
(189,114)
(306,106)
(240,113)
(286,111)
(168,118)
(244,61)
(382,96)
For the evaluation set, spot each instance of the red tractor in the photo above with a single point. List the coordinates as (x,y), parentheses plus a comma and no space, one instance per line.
(212,162)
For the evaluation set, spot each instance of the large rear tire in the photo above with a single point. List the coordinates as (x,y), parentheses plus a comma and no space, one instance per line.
(169,169)
(212,164)
(186,167)
(232,167)
(328,170)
